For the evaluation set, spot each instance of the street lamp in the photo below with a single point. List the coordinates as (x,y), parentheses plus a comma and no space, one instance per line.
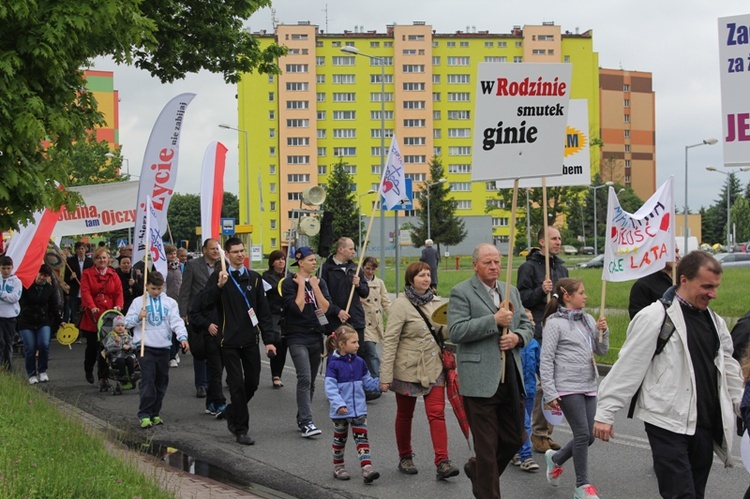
(595,188)
(359,214)
(706,142)
(729,196)
(126,160)
(429,186)
(355,51)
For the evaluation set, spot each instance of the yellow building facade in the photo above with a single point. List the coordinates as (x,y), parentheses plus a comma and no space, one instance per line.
(326,106)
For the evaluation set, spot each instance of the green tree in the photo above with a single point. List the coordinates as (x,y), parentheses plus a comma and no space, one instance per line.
(741,218)
(230,207)
(184,216)
(87,162)
(341,201)
(44,107)
(714,226)
(445,227)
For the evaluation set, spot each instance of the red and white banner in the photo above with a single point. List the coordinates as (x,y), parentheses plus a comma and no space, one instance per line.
(105,207)
(393,181)
(212,189)
(159,170)
(28,246)
(154,239)
(641,243)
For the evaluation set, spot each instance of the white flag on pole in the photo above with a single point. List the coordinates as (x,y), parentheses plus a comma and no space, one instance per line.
(393,182)
(641,243)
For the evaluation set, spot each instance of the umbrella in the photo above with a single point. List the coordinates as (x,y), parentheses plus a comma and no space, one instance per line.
(454,397)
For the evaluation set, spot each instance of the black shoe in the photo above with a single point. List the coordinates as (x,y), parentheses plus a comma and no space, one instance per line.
(200,392)
(90,378)
(469,469)
(244,439)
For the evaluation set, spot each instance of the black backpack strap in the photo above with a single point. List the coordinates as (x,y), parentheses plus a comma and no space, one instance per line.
(665,332)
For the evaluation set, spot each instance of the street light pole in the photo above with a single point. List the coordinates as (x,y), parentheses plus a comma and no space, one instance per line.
(729,196)
(706,142)
(355,51)
(429,213)
(595,188)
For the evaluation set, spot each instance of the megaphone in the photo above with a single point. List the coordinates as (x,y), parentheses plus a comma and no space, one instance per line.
(308,226)
(313,196)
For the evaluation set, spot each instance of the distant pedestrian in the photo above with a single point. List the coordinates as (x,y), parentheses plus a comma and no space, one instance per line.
(174,282)
(569,377)
(10,294)
(347,379)
(162,320)
(431,257)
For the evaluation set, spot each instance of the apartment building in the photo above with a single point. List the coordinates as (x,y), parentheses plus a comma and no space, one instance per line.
(328,103)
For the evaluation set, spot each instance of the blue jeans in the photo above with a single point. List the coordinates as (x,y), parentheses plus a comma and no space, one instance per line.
(34,340)
(528,403)
(371,358)
(306,359)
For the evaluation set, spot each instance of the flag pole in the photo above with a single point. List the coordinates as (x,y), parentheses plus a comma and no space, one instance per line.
(363,247)
(145,294)
(508,274)
(546,235)
(601,306)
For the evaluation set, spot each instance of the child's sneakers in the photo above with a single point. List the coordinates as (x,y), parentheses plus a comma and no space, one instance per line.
(529,465)
(146,423)
(586,491)
(340,473)
(553,470)
(157,420)
(369,475)
(516,461)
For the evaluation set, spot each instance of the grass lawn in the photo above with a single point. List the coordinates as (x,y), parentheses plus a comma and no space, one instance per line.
(731,303)
(44,454)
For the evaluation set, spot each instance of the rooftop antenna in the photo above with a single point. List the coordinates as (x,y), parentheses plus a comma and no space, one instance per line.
(326,11)
(274,19)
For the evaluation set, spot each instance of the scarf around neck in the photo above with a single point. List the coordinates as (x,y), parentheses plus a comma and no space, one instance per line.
(575,315)
(416,298)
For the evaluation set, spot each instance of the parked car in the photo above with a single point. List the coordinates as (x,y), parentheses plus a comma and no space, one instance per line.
(733,259)
(587,250)
(595,263)
(569,250)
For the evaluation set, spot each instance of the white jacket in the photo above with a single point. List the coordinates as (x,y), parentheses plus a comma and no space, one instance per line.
(10,293)
(668,395)
(162,320)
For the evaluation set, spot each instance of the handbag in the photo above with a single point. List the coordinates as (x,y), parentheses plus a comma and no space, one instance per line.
(446,356)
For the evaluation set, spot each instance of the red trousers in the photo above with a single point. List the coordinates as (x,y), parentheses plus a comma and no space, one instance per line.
(434,404)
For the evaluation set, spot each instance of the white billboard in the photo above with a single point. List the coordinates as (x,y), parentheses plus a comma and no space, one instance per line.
(734,69)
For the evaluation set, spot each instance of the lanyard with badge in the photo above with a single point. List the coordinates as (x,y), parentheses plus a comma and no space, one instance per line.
(587,338)
(250,311)
(322,319)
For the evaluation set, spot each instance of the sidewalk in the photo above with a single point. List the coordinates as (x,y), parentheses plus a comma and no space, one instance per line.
(181,483)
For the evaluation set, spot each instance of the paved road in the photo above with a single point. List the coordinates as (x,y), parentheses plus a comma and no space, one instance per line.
(283,461)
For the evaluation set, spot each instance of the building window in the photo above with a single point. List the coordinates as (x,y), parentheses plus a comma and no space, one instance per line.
(375,115)
(626,88)
(463,204)
(299,36)
(387,44)
(414,141)
(272,115)
(376,151)
(414,87)
(344,151)
(298,178)
(436,115)
(350,169)
(415,123)
(538,51)
(272,169)
(414,104)
(463,44)
(343,79)
(627,163)
(490,186)
(271,133)
(374,45)
(416,177)
(344,115)
(450,44)
(273,241)
(320,115)
(413,68)
(435,60)
(409,52)
(297,141)
(459,115)
(272,205)
(297,123)
(627,179)
(387,79)
(322,151)
(458,79)
(566,58)
(488,45)
(502,44)
(270,96)
(461,168)
(378,96)
(495,204)
(459,96)
(386,61)
(321,133)
(627,147)
(293,196)
(299,160)
(436,133)
(459,61)
(270,78)
(272,187)
(272,151)
(375,133)
(320,97)
(626,103)
(322,170)
(320,61)
(517,58)
(460,186)
(273,224)
(627,118)
(344,97)
(344,133)
(437,151)
(297,104)
(518,44)
(376,170)
(459,151)
(459,133)
(415,159)
(320,79)
(296,68)
(416,38)
(435,96)
(627,134)
(342,60)
(500,221)
(298,86)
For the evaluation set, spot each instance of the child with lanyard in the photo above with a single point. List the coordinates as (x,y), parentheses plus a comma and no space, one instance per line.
(347,379)
(162,318)
(568,371)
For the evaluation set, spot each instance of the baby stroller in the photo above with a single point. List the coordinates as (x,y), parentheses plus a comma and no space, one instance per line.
(105,326)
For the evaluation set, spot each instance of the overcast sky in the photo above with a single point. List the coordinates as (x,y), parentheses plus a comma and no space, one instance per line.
(676,40)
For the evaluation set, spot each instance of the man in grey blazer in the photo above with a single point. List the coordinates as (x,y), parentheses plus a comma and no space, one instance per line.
(194,278)
(494,408)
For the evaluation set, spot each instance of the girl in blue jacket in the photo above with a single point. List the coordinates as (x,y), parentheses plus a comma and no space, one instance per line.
(347,379)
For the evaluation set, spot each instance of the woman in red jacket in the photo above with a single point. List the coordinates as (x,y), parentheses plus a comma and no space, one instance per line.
(101,290)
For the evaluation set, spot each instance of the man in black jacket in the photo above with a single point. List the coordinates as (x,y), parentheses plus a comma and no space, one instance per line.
(534,286)
(74,267)
(244,316)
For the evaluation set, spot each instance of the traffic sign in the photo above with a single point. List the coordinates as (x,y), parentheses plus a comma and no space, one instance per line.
(409,195)
(227,226)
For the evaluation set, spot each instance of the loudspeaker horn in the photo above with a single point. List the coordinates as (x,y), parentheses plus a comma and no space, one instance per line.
(313,196)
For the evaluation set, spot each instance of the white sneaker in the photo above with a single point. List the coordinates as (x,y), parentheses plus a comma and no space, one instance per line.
(177,357)
(173,363)
(43,378)
(553,470)
(33,380)
(586,491)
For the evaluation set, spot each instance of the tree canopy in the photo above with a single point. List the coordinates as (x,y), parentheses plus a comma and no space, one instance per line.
(340,200)
(184,216)
(44,105)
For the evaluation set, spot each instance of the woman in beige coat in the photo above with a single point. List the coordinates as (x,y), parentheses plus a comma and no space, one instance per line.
(411,367)
(376,305)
